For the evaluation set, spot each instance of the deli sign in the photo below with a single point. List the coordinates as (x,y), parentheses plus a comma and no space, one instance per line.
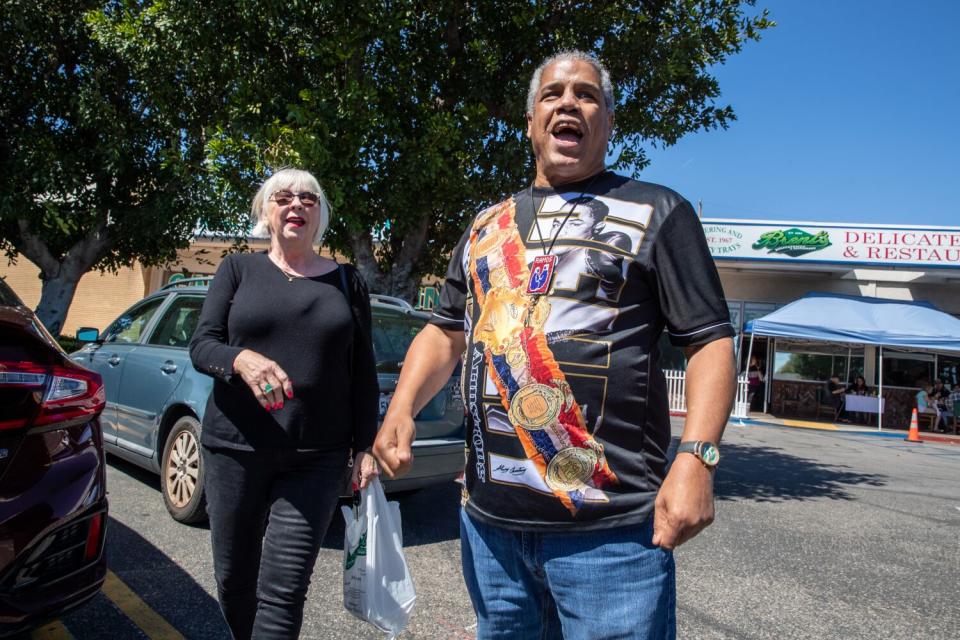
(790,242)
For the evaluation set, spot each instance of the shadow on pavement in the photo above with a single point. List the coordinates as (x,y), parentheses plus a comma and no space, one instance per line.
(163,585)
(146,478)
(766,474)
(429,515)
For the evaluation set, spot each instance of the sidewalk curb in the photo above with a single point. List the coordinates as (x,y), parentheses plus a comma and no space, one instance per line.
(926,437)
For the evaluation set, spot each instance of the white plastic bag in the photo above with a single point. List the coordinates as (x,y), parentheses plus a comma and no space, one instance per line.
(377,586)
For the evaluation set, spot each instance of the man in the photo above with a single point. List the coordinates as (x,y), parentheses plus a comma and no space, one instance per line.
(835,395)
(568,516)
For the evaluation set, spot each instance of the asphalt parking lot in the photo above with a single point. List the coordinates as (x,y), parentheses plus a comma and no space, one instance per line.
(818,535)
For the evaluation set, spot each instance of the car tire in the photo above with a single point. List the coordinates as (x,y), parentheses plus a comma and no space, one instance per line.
(181,473)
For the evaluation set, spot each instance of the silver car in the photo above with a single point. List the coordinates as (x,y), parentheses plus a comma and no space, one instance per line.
(156,399)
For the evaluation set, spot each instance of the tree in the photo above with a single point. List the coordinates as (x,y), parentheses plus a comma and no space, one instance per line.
(410,113)
(413,112)
(95,170)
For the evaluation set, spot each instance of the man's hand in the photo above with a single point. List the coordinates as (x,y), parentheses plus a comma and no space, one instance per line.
(393,443)
(684,505)
(426,369)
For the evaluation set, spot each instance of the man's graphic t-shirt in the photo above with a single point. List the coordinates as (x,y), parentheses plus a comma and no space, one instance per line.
(568,422)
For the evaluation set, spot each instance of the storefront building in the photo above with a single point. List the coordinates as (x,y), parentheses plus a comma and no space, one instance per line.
(101,297)
(765,265)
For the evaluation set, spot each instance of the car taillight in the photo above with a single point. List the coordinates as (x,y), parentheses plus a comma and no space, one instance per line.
(93,537)
(72,394)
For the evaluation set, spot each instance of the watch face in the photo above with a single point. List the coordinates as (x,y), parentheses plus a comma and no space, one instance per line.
(709,454)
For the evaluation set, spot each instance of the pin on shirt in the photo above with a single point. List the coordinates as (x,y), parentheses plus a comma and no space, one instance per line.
(541,273)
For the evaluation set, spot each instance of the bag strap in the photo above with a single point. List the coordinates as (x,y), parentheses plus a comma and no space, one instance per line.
(346,292)
(343,285)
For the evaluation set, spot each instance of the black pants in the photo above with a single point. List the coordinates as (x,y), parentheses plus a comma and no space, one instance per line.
(269,511)
(755,397)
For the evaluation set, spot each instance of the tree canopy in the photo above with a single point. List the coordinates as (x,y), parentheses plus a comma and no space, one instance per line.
(96,170)
(411,114)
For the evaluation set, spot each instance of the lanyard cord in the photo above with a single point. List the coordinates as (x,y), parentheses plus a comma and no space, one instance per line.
(536,220)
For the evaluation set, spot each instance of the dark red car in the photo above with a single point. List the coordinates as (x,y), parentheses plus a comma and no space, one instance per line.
(53,499)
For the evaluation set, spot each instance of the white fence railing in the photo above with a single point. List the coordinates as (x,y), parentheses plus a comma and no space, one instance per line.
(677,392)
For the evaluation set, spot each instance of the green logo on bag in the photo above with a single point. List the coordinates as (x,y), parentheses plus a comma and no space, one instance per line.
(352,556)
(792,242)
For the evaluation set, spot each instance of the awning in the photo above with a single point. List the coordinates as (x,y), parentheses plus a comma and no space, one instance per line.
(831,317)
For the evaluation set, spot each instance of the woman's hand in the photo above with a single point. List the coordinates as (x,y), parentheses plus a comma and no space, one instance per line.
(364,470)
(268,382)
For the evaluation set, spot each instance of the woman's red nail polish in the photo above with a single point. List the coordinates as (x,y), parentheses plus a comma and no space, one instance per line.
(290,394)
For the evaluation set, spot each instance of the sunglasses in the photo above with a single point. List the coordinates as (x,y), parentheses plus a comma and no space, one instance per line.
(284,197)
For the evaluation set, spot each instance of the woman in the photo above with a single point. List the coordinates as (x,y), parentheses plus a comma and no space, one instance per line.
(927,404)
(755,386)
(859,388)
(294,403)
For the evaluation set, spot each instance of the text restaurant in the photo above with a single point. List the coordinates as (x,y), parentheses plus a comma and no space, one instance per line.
(857,301)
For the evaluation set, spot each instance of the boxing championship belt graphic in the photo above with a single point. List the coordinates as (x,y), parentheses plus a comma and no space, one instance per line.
(532,388)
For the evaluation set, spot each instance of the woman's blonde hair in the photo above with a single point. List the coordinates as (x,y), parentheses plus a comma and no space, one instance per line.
(295,180)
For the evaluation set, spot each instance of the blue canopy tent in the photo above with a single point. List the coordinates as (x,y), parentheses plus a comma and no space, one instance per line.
(832,317)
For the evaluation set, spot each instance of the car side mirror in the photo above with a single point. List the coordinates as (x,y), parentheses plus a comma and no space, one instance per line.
(88,334)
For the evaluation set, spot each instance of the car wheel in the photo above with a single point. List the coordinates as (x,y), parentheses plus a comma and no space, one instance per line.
(182,472)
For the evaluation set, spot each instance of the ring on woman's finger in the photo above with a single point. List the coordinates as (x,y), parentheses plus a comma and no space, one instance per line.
(267,388)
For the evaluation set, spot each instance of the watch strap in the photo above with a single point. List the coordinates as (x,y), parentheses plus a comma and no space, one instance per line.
(695,447)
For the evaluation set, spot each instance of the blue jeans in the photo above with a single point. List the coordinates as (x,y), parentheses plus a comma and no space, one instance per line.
(269,511)
(596,585)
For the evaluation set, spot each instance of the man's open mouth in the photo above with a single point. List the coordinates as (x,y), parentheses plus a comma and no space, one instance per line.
(567,132)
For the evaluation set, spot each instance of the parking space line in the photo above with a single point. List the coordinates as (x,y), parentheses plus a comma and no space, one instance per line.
(51,631)
(139,612)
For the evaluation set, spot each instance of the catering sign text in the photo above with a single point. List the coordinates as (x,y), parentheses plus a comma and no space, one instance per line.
(812,242)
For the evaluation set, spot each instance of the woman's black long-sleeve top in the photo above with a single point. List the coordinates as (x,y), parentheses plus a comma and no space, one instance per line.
(305,325)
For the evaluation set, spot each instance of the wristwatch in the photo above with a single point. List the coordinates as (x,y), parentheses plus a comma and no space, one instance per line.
(707,452)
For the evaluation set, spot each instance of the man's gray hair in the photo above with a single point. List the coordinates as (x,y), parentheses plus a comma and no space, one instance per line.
(572,54)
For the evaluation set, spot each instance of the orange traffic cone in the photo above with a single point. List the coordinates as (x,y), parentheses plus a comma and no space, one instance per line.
(914,435)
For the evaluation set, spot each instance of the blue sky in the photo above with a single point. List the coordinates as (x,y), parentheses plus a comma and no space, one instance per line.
(847,112)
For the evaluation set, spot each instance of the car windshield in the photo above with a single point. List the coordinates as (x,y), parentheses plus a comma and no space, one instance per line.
(392,335)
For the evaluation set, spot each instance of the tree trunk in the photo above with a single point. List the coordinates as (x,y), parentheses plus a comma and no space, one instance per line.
(55,299)
(400,279)
(60,276)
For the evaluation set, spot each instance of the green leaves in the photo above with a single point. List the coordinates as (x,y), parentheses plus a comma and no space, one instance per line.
(167,114)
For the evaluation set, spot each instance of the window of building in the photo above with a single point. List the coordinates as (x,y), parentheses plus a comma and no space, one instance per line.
(902,369)
(816,362)
(856,368)
(948,370)
(754,310)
